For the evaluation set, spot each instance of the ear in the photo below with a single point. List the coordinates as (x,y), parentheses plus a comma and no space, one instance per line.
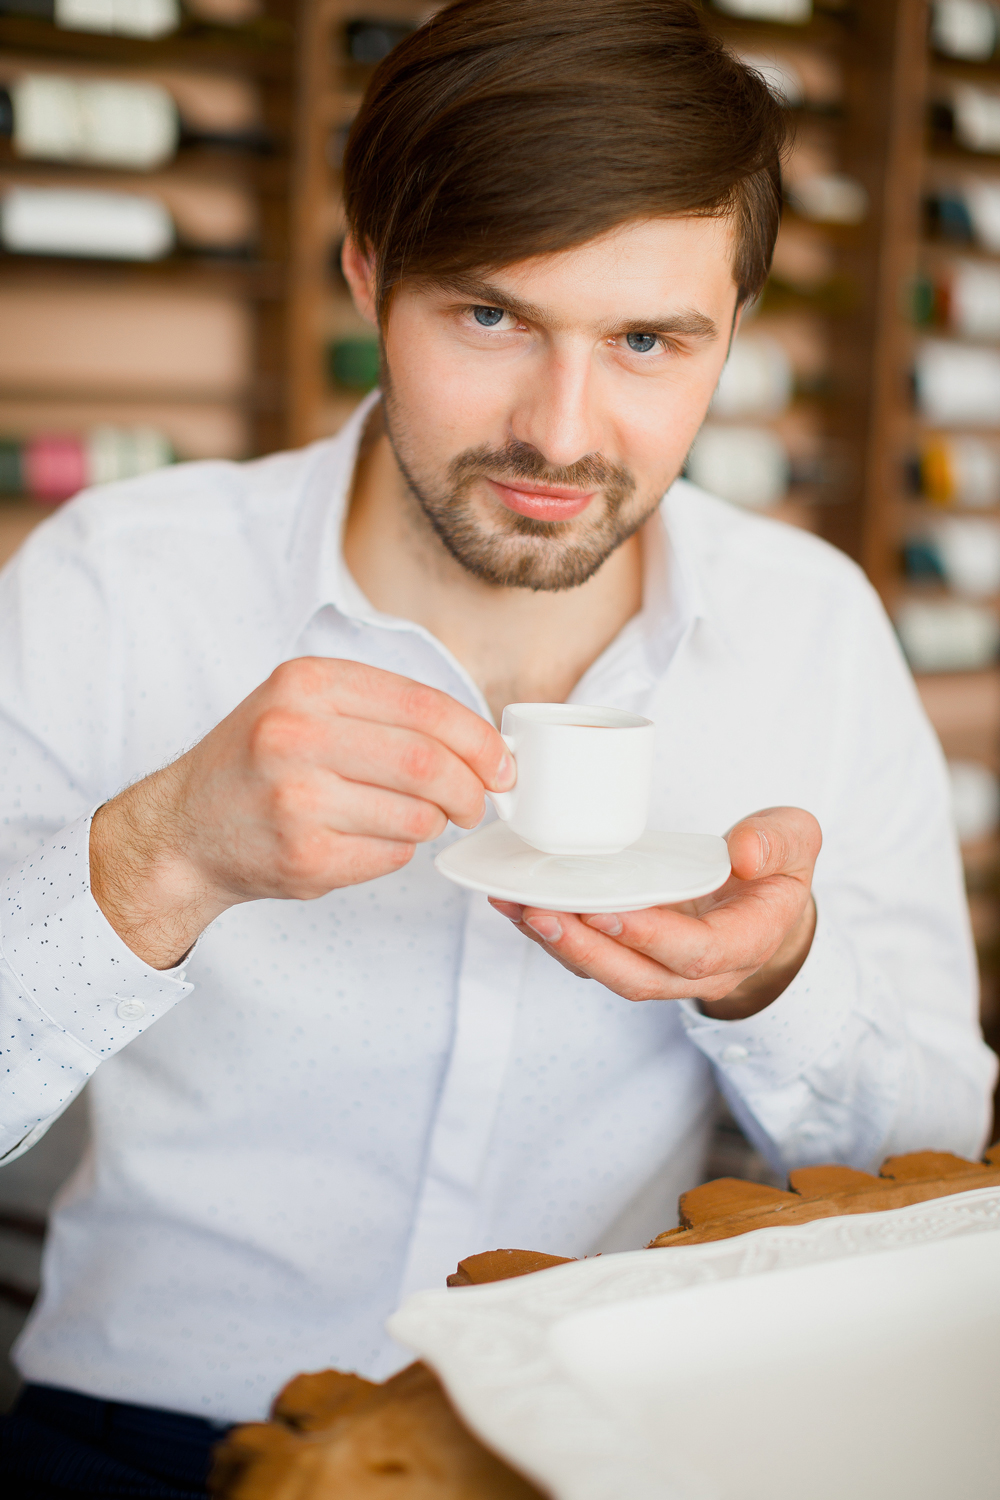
(359,273)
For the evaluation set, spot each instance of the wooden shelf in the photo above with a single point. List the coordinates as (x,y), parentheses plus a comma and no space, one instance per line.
(262,171)
(247,278)
(955,70)
(265,48)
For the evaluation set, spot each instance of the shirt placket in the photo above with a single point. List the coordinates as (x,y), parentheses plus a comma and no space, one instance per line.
(449,1210)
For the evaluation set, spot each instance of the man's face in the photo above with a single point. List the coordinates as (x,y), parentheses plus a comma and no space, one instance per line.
(539,412)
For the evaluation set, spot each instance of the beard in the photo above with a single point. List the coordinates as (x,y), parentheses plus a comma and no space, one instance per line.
(517,551)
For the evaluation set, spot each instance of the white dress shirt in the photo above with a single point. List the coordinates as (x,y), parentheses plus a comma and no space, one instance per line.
(331,1102)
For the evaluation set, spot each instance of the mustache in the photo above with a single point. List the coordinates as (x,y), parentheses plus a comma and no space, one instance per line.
(520,461)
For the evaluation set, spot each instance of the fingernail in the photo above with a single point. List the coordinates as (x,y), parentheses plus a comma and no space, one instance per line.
(548,928)
(506,774)
(508,909)
(765,850)
(605,922)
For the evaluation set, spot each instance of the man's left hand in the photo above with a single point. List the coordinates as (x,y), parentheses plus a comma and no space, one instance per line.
(733,951)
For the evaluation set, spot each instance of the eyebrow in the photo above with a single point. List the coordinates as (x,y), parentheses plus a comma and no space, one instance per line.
(687,322)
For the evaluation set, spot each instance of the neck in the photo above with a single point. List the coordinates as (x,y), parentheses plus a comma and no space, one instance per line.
(516,644)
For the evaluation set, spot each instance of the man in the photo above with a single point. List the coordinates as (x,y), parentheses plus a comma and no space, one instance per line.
(322,1074)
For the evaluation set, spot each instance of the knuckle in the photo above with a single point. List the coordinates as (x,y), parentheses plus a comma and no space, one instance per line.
(419,701)
(398,854)
(420,760)
(291,802)
(276,732)
(647,990)
(302,674)
(422,822)
(695,969)
(301,865)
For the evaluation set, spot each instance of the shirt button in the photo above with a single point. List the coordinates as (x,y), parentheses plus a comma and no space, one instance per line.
(131,1010)
(735,1054)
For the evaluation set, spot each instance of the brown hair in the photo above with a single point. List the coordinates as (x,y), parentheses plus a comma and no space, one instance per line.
(504,129)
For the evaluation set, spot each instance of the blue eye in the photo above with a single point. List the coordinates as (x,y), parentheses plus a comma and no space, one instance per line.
(640,343)
(488,317)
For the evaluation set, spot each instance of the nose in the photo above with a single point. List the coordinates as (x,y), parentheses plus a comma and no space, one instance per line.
(554,413)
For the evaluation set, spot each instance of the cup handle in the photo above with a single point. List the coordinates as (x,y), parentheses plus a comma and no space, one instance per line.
(504,801)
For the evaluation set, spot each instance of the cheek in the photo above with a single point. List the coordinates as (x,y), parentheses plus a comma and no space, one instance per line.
(657,423)
(446,394)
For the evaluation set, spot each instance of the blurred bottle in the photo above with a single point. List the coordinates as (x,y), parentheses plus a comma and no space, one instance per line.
(963,552)
(749,466)
(53,467)
(829,198)
(967,115)
(756,380)
(137,126)
(789,12)
(142,18)
(367,40)
(354,363)
(959,471)
(781,76)
(105,123)
(957,385)
(963,296)
(84,222)
(964,29)
(975,800)
(948,635)
(966,212)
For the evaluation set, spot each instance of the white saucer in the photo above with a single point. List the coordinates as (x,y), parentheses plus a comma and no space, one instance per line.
(658,869)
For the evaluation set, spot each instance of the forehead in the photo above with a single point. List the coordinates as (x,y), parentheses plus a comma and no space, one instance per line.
(640,268)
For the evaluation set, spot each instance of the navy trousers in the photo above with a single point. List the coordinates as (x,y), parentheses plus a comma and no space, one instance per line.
(59,1445)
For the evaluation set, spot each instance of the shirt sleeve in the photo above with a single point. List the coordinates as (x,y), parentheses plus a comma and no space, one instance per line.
(71,992)
(874,1048)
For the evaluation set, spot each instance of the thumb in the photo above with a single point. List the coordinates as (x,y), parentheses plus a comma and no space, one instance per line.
(775,841)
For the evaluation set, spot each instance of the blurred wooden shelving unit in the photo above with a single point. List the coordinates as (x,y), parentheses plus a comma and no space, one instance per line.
(195,344)
(320,311)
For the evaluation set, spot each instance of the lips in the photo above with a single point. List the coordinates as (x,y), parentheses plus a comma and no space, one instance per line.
(547,503)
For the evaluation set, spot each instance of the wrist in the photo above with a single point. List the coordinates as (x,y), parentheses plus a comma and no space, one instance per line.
(142,879)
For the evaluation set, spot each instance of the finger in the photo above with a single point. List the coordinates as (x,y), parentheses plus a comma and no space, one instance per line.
(328,860)
(404,760)
(377,813)
(778,840)
(509,909)
(626,972)
(552,951)
(320,804)
(741,932)
(358,691)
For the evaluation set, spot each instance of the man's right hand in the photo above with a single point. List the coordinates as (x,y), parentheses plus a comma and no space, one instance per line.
(329,774)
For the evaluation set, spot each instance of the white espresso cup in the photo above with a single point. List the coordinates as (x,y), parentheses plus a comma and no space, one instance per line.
(584,777)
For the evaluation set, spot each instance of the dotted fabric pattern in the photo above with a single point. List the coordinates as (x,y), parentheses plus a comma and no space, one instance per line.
(82,990)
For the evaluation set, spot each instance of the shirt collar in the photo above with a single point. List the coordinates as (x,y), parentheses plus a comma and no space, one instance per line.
(673,596)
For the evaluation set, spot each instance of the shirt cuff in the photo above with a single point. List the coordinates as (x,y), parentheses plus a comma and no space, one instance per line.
(815,1017)
(67,957)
